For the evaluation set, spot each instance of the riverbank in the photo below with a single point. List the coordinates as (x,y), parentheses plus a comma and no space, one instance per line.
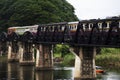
(109,57)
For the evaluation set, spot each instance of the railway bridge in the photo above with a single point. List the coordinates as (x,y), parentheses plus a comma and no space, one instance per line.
(83,37)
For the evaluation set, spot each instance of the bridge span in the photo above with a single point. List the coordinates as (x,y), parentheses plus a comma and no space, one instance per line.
(82,36)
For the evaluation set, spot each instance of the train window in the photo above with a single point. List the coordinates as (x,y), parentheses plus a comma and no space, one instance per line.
(39,28)
(100,25)
(70,27)
(84,25)
(42,28)
(104,24)
(56,28)
(108,24)
(74,27)
(60,27)
(51,28)
(90,25)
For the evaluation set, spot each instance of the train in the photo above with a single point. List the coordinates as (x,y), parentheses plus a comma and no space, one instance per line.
(33,28)
(87,25)
(21,29)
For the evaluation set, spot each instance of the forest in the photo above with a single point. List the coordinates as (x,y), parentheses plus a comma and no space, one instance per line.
(31,12)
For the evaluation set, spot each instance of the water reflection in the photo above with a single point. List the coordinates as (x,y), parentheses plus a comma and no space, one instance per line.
(3,69)
(13,71)
(26,73)
(44,75)
(111,76)
(63,73)
(56,74)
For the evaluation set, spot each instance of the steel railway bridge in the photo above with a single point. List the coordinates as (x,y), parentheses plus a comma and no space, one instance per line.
(89,35)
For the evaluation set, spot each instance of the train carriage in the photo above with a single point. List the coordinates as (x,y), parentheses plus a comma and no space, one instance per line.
(21,29)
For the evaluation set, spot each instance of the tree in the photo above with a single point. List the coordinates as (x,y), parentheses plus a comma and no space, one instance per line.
(30,12)
(62,50)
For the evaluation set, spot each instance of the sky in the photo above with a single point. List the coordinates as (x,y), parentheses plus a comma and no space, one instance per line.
(93,9)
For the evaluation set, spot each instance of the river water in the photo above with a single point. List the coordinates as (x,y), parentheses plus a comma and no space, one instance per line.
(13,71)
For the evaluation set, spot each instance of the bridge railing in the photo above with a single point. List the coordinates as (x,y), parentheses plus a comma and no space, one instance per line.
(51,33)
(100,32)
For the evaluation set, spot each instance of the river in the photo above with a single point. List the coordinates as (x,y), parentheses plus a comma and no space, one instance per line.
(13,71)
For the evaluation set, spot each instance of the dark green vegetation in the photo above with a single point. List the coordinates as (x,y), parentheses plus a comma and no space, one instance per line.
(109,57)
(62,52)
(30,12)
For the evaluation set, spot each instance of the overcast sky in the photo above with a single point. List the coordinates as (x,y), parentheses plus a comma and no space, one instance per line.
(93,9)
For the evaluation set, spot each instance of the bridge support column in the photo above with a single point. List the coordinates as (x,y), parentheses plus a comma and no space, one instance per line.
(3,48)
(44,57)
(26,54)
(85,63)
(13,54)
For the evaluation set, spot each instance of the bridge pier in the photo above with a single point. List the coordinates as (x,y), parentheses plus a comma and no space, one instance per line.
(44,57)
(85,63)
(26,54)
(3,48)
(13,54)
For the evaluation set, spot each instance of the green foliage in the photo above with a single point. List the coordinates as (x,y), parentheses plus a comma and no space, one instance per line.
(30,12)
(108,56)
(69,60)
(110,50)
(61,50)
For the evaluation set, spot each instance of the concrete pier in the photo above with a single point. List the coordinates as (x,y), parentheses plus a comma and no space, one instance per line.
(13,51)
(3,48)
(44,57)
(85,63)
(26,52)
